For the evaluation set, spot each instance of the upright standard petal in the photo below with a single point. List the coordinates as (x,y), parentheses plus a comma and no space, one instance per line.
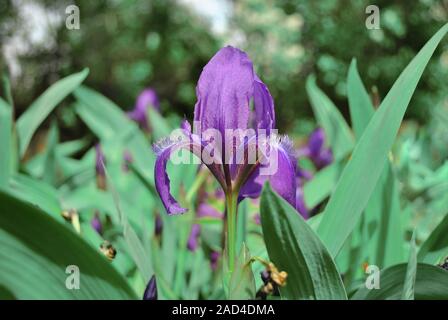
(146,98)
(263,106)
(316,141)
(224,91)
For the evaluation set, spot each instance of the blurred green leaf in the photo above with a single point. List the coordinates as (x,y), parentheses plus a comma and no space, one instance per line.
(435,247)
(430,284)
(383,225)
(36,250)
(135,246)
(242,282)
(363,170)
(411,270)
(5,145)
(108,122)
(322,184)
(295,248)
(36,192)
(30,120)
(360,106)
(160,128)
(330,119)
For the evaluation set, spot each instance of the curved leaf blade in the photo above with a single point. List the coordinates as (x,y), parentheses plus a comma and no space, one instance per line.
(43,105)
(328,116)
(363,170)
(35,251)
(295,248)
(431,283)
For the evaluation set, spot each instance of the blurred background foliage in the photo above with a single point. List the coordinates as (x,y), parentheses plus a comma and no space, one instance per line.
(132,44)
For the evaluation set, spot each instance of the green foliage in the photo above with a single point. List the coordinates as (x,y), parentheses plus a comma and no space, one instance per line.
(36,250)
(388,179)
(295,248)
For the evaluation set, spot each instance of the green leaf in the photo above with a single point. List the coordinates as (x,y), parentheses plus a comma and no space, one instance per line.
(108,122)
(37,193)
(360,106)
(384,229)
(6,86)
(435,247)
(363,170)
(160,127)
(30,120)
(295,248)
(35,251)
(328,116)
(322,184)
(431,283)
(135,246)
(5,145)
(242,281)
(102,116)
(411,270)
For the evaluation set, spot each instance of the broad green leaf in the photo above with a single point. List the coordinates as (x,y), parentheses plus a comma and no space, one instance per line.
(383,213)
(295,248)
(5,145)
(36,192)
(331,120)
(35,251)
(50,165)
(108,122)
(431,283)
(242,282)
(30,120)
(435,247)
(105,119)
(411,270)
(363,170)
(135,246)
(360,106)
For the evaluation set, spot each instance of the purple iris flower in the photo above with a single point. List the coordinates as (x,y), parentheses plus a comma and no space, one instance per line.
(151,290)
(96,223)
(147,98)
(226,88)
(316,151)
(100,162)
(214,258)
(158,227)
(204,210)
(192,243)
(127,160)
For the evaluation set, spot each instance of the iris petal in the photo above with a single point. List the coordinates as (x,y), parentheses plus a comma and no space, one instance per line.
(264,106)
(282,180)
(162,180)
(224,91)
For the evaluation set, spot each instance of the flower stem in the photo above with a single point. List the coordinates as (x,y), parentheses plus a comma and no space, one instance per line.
(231,203)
